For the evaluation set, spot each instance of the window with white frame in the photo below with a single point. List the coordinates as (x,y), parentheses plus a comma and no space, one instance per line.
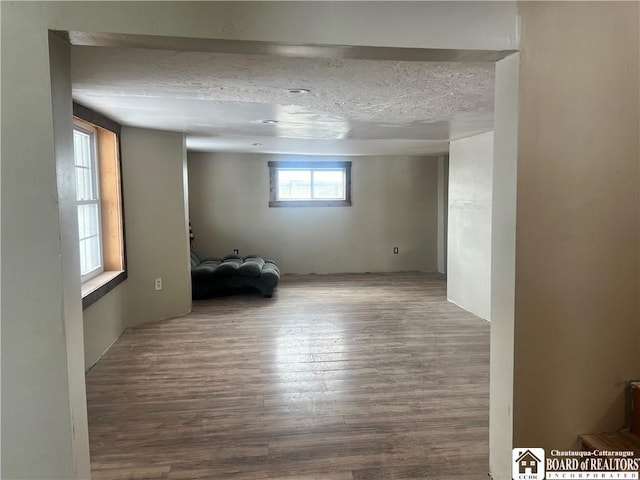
(88,201)
(101,240)
(307,184)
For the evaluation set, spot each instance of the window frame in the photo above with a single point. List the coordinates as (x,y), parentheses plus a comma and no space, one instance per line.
(103,283)
(92,132)
(274,166)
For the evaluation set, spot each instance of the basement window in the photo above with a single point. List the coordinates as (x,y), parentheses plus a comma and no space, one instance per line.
(87,200)
(309,184)
(96,145)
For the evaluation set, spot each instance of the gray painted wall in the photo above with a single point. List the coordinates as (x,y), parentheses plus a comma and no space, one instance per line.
(469,232)
(156,228)
(577,330)
(443,211)
(104,321)
(153,169)
(70,256)
(394,203)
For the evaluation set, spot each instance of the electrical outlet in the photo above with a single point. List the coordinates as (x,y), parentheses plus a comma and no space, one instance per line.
(396,250)
(158,284)
(235,250)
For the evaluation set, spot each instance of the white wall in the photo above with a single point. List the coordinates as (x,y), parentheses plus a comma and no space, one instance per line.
(35,427)
(469,233)
(394,203)
(503,244)
(577,330)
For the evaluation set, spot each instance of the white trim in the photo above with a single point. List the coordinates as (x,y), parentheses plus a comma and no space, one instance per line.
(91,132)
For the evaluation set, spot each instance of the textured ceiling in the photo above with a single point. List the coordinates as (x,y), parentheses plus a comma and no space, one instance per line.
(354,106)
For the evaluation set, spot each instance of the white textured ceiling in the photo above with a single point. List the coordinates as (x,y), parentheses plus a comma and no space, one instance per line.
(354,106)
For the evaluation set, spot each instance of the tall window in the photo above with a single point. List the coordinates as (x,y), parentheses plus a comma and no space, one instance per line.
(99,202)
(88,199)
(306,184)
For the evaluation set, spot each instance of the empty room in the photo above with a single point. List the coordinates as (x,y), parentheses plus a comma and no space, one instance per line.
(315,240)
(338,172)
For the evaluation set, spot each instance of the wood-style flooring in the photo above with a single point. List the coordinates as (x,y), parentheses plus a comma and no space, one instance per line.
(341,377)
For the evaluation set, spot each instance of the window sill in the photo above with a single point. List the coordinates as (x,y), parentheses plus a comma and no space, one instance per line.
(310,203)
(100,285)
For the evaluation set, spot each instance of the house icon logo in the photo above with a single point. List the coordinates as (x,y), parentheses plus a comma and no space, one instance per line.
(528,463)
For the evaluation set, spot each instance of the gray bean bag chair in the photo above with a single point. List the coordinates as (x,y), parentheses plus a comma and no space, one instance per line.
(214,276)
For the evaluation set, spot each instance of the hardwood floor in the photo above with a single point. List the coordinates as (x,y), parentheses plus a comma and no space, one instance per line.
(341,377)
